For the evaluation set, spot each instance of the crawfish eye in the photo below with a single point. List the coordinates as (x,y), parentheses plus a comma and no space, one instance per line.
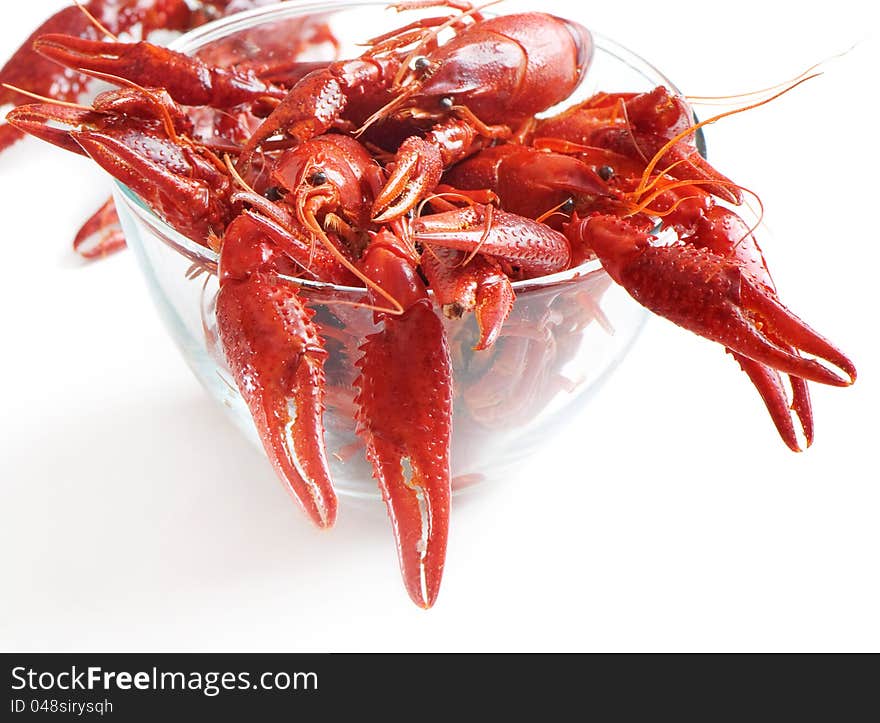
(568,206)
(446,102)
(273,193)
(420,64)
(317,177)
(605,172)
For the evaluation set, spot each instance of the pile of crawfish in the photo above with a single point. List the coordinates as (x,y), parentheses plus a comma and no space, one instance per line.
(420,164)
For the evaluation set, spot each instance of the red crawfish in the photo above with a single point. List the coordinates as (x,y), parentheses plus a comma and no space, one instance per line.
(42,67)
(490,78)
(142,138)
(318,226)
(613,168)
(404,400)
(711,279)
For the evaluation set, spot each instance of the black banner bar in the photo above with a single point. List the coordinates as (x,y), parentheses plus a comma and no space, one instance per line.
(142,686)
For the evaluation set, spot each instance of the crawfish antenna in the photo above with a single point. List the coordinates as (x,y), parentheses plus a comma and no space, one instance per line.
(308,218)
(393,105)
(230,166)
(652,164)
(94,21)
(44,98)
(710,99)
(555,211)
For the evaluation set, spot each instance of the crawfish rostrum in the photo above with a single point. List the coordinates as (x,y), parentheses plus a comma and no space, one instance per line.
(420,164)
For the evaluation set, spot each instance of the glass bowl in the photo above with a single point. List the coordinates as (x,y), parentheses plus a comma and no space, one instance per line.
(565,335)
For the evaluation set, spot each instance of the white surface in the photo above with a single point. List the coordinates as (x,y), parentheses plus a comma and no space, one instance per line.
(669,517)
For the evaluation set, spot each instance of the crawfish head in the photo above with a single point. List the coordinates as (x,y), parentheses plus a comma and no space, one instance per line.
(530,182)
(329,179)
(502,70)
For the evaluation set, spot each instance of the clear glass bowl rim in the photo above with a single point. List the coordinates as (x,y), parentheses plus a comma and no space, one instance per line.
(218,29)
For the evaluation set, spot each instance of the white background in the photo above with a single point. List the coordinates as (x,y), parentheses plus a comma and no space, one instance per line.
(668,517)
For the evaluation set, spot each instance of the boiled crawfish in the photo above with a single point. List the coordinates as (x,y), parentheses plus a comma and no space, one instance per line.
(423,161)
(34,70)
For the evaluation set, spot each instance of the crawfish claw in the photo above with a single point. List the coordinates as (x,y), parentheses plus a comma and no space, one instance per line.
(405,407)
(767,308)
(277,359)
(479,286)
(404,416)
(712,296)
(417,172)
(51,122)
(769,384)
(187,80)
(101,235)
(530,246)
